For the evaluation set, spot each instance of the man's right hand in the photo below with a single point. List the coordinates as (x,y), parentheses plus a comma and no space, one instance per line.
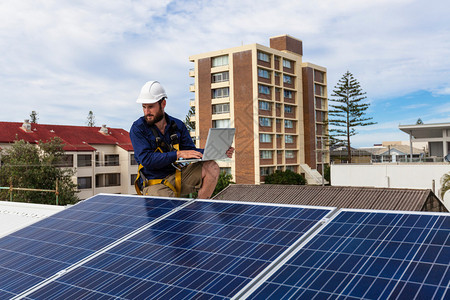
(186,154)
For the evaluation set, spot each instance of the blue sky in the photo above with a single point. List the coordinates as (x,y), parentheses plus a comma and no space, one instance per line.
(65,58)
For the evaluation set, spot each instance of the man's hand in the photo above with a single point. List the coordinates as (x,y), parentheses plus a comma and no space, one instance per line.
(230,152)
(189,154)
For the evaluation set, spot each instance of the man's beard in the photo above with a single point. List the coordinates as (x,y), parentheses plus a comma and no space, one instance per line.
(156,118)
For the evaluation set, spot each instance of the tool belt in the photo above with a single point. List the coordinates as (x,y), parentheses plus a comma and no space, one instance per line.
(161,146)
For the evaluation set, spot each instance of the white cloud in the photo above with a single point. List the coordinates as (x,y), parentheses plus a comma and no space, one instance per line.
(64,58)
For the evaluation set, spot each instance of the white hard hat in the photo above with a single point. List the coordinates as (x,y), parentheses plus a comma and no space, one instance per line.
(151,92)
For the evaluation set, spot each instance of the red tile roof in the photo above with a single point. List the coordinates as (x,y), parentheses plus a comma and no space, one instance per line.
(76,138)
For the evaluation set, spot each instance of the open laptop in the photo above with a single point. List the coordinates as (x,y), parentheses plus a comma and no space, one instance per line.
(219,140)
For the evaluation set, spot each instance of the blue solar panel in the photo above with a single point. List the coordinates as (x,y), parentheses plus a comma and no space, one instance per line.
(370,255)
(206,249)
(41,250)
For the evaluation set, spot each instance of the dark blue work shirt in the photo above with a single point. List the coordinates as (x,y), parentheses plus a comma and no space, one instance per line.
(158,165)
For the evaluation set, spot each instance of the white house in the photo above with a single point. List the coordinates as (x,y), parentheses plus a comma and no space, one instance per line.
(102,157)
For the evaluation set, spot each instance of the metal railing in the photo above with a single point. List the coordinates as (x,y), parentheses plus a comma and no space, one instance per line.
(11,188)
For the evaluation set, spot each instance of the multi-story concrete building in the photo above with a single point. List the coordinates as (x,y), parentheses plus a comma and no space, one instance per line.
(277,103)
(102,157)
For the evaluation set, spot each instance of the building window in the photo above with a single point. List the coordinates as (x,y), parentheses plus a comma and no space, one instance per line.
(219,61)
(263,105)
(225,123)
(133,161)
(66,161)
(84,160)
(286,63)
(264,171)
(289,154)
(288,139)
(319,90)
(107,180)
(111,160)
(221,93)
(290,168)
(265,154)
(288,124)
(226,170)
(263,89)
(220,77)
(287,94)
(265,138)
(288,109)
(265,122)
(263,56)
(133,178)
(287,79)
(84,183)
(263,73)
(221,108)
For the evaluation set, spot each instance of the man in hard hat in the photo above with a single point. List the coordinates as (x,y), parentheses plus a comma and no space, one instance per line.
(159,140)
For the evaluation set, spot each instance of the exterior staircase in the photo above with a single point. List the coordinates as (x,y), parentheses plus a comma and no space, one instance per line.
(312,176)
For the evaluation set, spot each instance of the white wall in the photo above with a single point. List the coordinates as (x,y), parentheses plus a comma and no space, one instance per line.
(413,176)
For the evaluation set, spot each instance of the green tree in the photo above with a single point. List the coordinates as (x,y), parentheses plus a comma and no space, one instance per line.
(90,119)
(224,180)
(349,112)
(187,121)
(33,117)
(37,167)
(285,177)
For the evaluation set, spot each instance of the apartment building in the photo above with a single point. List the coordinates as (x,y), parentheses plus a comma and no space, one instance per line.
(102,157)
(277,103)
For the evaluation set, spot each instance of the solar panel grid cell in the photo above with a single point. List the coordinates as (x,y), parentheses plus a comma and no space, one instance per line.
(207,249)
(368,255)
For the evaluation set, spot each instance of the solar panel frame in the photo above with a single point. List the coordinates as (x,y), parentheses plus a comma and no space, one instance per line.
(283,290)
(183,284)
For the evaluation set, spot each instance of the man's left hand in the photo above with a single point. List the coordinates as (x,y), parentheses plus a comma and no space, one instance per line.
(230,152)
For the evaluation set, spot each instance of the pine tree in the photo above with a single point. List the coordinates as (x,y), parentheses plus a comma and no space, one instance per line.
(90,119)
(34,117)
(189,124)
(349,112)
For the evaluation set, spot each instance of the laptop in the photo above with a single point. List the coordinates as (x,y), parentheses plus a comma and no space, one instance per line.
(219,140)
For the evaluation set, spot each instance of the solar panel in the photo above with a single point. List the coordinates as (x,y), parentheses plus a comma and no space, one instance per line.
(37,252)
(369,255)
(206,249)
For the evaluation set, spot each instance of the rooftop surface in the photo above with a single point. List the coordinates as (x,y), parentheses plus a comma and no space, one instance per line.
(76,138)
(17,215)
(336,196)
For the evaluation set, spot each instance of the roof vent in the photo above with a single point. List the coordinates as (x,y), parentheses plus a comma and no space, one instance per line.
(26,126)
(104,130)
